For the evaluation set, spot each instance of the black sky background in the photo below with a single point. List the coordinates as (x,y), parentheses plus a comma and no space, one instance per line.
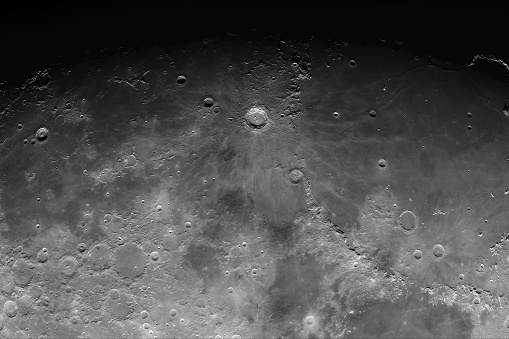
(38,35)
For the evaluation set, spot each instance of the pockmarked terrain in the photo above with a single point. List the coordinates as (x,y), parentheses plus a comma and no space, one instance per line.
(236,188)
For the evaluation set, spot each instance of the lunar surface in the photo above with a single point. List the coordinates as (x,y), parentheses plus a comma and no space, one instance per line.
(252,185)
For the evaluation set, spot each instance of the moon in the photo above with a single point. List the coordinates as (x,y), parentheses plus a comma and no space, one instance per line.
(329,177)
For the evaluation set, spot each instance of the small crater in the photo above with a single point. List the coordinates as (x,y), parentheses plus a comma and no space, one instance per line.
(99,257)
(114,294)
(130,261)
(68,266)
(81,247)
(181,79)
(295,176)
(22,273)
(407,220)
(41,134)
(154,255)
(107,218)
(10,308)
(480,266)
(438,251)
(42,256)
(130,160)
(208,102)
(256,118)
(24,304)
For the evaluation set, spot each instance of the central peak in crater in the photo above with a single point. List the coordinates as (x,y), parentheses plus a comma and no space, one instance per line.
(256,117)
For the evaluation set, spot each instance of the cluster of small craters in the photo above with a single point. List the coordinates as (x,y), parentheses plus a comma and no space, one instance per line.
(408,222)
(438,252)
(469,115)
(30,285)
(41,135)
